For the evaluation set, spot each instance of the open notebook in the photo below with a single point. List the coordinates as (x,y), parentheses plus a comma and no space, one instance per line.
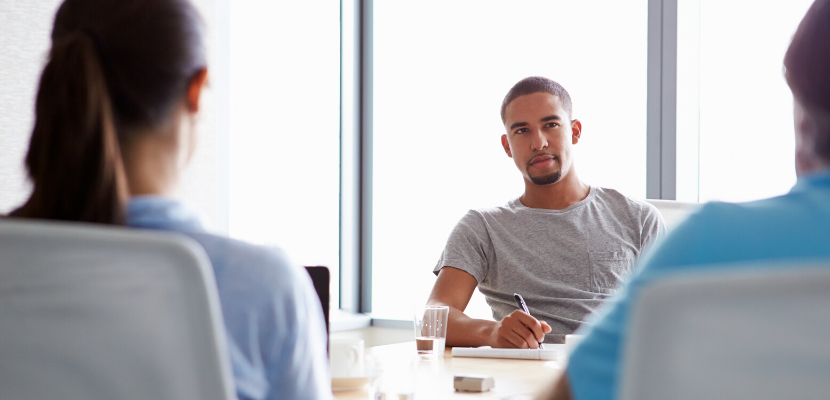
(551,352)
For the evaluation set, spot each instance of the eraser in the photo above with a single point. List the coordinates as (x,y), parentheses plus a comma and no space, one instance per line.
(473,383)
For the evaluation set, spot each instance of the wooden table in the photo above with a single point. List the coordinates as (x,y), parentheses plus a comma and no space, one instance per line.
(402,370)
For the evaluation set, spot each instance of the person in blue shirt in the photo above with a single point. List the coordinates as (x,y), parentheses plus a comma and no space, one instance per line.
(795,226)
(114,126)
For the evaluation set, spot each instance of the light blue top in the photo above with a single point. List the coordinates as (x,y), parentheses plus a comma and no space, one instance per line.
(274,322)
(795,226)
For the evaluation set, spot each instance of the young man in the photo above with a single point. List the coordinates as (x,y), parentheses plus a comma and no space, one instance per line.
(791,227)
(563,245)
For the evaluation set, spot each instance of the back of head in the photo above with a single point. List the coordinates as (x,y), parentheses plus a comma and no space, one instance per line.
(537,84)
(115,68)
(807,69)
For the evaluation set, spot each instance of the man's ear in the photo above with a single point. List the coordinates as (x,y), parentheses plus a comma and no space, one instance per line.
(194,90)
(506,146)
(576,128)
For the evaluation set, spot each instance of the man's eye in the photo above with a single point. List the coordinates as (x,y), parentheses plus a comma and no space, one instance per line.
(522,130)
(552,125)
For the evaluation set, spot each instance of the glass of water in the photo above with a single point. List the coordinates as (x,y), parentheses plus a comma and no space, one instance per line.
(431,329)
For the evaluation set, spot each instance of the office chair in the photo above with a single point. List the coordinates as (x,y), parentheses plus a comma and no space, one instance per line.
(321,278)
(747,333)
(96,312)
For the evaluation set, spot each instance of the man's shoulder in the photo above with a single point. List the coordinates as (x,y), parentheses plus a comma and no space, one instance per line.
(790,210)
(482,220)
(619,202)
(508,209)
(785,227)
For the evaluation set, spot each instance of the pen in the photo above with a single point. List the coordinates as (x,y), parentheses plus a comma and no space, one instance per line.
(522,306)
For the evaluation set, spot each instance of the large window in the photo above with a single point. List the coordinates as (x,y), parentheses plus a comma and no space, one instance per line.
(285,128)
(441,70)
(735,127)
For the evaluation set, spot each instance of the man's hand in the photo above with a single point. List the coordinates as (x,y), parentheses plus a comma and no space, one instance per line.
(454,288)
(519,330)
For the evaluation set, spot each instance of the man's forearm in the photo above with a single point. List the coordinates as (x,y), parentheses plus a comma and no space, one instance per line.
(465,331)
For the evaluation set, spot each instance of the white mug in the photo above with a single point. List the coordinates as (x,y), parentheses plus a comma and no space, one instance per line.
(346,358)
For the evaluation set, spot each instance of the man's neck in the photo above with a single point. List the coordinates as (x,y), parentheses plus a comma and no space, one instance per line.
(558,196)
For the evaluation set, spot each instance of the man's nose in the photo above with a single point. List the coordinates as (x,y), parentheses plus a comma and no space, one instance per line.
(538,141)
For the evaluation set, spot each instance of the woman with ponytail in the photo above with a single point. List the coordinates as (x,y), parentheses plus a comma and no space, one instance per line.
(114,124)
(74,157)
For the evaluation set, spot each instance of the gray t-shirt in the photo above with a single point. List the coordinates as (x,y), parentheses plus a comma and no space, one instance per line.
(563,262)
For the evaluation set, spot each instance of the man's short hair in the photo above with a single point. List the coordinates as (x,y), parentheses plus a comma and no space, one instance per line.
(537,84)
(807,70)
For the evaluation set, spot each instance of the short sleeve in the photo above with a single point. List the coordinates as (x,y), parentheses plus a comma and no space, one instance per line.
(653,225)
(469,247)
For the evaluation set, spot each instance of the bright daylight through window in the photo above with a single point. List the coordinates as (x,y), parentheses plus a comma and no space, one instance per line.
(733,103)
(285,129)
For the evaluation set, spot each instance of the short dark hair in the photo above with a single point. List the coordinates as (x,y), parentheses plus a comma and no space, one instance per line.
(537,84)
(807,70)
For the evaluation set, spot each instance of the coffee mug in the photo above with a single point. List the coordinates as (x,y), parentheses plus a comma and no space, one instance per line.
(346,358)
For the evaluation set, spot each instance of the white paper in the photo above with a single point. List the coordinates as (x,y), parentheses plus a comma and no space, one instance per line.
(550,353)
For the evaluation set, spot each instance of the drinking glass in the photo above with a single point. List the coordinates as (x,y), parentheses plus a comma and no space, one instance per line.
(431,329)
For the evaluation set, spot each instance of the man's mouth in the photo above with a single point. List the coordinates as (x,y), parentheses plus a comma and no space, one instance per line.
(542,161)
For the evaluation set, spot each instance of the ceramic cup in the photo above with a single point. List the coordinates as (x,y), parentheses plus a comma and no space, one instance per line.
(346,358)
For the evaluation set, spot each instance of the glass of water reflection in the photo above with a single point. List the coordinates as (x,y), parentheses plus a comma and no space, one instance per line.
(431,329)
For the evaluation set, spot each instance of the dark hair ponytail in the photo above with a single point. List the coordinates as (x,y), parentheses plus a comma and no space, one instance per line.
(117,69)
(74,157)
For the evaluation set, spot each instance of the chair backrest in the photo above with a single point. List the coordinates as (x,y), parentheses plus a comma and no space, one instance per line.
(321,278)
(746,334)
(674,212)
(95,312)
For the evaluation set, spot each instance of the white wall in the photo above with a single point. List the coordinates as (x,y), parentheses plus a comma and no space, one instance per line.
(24,42)
(24,39)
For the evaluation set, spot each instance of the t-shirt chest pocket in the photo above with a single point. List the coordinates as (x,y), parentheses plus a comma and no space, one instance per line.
(609,270)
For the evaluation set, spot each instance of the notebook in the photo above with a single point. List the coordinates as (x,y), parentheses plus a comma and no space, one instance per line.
(549,353)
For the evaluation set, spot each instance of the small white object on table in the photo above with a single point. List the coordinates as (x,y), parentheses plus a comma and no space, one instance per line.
(473,383)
